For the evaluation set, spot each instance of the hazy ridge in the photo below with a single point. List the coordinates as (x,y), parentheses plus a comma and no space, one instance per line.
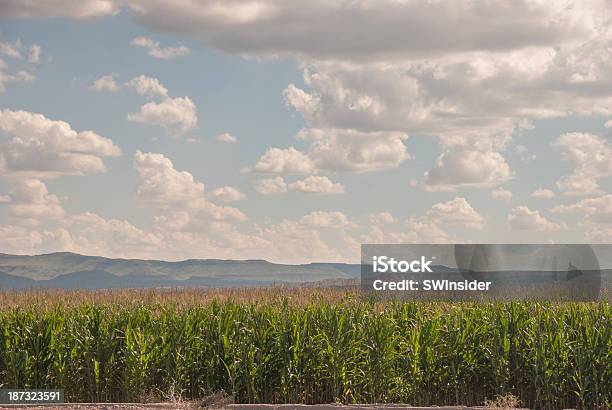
(71,270)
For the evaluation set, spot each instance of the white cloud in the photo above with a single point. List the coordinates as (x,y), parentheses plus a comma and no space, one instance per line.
(598,209)
(608,124)
(92,234)
(105,83)
(175,115)
(77,9)
(31,202)
(425,230)
(227,194)
(323,219)
(11,50)
(317,185)
(284,161)
(145,86)
(148,86)
(221,213)
(34,54)
(455,213)
(476,74)
(454,71)
(502,194)
(161,185)
(14,50)
(337,150)
(591,156)
(351,150)
(428,228)
(465,167)
(227,137)
(20,76)
(543,193)
(43,148)
(381,218)
(523,218)
(21,239)
(270,186)
(155,50)
(318,236)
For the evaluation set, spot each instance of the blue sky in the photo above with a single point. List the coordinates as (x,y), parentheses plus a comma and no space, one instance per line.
(349,123)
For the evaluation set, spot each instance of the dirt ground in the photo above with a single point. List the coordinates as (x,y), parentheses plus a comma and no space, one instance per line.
(198,405)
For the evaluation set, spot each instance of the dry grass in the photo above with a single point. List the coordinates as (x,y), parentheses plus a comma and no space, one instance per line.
(505,401)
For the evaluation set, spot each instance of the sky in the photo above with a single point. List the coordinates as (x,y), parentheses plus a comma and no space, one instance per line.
(295,132)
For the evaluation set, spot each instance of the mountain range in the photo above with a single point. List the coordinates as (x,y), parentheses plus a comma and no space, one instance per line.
(71,270)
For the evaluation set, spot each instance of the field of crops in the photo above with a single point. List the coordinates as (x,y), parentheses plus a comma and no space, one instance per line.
(304,346)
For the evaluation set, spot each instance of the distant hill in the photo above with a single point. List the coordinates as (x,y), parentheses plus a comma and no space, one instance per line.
(71,270)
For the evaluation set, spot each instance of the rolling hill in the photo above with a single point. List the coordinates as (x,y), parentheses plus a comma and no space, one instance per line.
(71,270)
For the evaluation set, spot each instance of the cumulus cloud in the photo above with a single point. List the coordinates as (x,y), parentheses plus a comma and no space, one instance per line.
(11,50)
(227,194)
(221,213)
(591,156)
(323,219)
(92,234)
(381,218)
(145,86)
(424,230)
(597,209)
(428,228)
(105,83)
(77,9)
(455,213)
(43,148)
(468,72)
(227,137)
(14,51)
(501,194)
(31,202)
(351,150)
(284,161)
(175,115)
(161,185)
(157,51)
(148,86)
(413,230)
(543,193)
(437,68)
(464,167)
(523,218)
(178,192)
(20,76)
(334,150)
(270,186)
(317,185)
(320,236)
(19,239)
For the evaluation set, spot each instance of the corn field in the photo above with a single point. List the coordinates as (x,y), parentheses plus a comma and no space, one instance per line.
(348,350)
